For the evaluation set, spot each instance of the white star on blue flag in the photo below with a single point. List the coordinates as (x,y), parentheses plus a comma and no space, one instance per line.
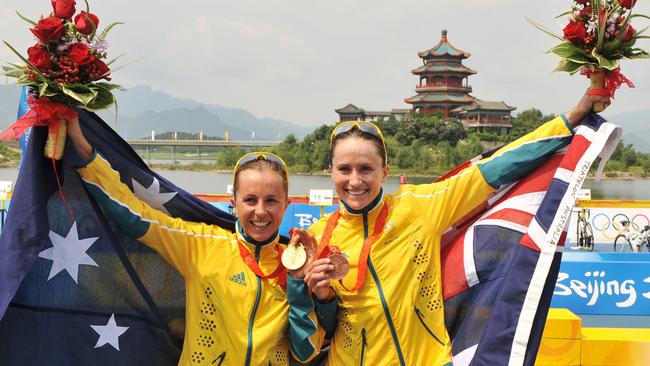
(68,253)
(109,333)
(152,195)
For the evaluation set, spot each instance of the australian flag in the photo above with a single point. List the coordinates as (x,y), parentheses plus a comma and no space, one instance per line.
(74,290)
(500,265)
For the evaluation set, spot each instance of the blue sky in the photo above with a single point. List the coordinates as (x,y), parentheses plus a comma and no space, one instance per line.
(298,60)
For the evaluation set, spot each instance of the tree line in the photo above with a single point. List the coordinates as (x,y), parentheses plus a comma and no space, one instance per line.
(431,145)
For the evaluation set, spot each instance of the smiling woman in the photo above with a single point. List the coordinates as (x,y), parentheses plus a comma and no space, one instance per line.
(391,301)
(260,194)
(260,313)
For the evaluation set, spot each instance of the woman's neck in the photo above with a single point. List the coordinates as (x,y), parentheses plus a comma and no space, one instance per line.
(365,210)
(251,241)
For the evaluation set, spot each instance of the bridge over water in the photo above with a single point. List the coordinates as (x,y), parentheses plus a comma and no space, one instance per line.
(148,145)
(201,143)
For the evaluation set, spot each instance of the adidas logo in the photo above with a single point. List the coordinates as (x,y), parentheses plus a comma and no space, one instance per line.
(238,278)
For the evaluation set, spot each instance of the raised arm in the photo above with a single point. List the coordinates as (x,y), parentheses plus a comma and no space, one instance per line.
(179,242)
(448,201)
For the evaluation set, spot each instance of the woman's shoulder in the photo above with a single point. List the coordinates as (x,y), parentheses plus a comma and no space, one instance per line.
(318,226)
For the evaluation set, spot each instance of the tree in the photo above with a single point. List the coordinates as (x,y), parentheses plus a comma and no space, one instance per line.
(429,129)
(228,158)
(389,127)
(527,121)
(469,148)
(288,150)
(314,149)
(628,156)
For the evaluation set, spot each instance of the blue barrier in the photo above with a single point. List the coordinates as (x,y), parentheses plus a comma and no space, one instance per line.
(604,284)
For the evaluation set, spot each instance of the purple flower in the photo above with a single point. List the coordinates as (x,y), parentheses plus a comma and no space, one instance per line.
(100,46)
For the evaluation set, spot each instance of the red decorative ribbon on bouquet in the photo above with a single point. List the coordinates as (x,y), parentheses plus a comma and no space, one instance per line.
(613,80)
(43,112)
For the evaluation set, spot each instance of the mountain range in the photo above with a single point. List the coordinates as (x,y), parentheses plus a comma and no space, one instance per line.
(635,127)
(142,110)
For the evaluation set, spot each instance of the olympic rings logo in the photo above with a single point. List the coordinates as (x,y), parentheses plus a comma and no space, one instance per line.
(602,222)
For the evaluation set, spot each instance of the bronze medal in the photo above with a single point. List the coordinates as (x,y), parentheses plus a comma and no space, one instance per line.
(294,257)
(341,265)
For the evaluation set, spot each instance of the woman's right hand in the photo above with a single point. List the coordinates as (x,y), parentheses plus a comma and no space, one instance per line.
(318,276)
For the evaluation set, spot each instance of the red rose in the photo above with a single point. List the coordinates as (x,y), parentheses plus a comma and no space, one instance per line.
(64,9)
(582,1)
(585,13)
(629,33)
(49,29)
(101,70)
(39,57)
(627,4)
(83,25)
(79,53)
(575,32)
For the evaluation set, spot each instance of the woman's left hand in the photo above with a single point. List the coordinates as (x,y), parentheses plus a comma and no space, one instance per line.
(584,106)
(315,272)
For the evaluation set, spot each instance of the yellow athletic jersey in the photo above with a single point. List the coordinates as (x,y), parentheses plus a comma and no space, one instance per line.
(232,316)
(397,316)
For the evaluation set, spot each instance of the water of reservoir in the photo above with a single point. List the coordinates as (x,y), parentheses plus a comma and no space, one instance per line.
(214,182)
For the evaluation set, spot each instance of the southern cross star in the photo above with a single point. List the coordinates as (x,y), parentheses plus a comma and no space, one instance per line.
(152,195)
(109,333)
(68,253)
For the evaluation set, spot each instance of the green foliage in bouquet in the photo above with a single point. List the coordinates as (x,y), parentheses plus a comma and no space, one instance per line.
(67,65)
(598,35)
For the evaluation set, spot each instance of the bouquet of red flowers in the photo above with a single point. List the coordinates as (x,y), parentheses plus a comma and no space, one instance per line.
(598,35)
(65,69)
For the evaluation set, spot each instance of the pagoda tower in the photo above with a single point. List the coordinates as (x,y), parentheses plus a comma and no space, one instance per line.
(443,80)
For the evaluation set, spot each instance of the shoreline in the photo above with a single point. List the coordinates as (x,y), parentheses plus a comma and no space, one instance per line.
(207,168)
(163,167)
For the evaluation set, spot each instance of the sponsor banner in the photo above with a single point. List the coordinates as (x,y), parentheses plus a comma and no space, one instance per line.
(604,284)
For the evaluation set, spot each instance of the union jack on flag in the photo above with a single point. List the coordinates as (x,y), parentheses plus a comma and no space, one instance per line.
(500,265)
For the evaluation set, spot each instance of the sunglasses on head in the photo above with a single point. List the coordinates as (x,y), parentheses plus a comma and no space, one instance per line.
(363,126)
(259,155)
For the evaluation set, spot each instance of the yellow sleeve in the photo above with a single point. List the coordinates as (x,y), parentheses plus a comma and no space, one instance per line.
(444,203)
(179,242)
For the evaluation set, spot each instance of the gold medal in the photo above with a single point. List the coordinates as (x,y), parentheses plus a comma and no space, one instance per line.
(294,256)
(341,265)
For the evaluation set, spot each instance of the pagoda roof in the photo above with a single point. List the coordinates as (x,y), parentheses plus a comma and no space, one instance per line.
(349,109)
(439,98)
(444,48)
(435,67)
(485,105)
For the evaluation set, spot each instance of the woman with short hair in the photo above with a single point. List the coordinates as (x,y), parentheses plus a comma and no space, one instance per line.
(241,306)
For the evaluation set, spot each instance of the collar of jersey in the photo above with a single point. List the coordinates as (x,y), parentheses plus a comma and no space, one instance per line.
(248,240)
(366,210)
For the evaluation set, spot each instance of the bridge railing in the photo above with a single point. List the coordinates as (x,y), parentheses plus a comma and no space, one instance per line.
(137,142)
